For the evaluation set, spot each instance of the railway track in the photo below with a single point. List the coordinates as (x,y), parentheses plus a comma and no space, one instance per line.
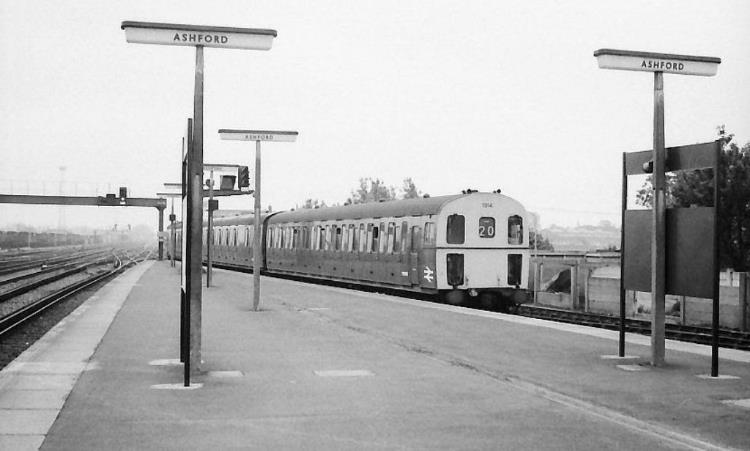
(31,309)
(702,335)
(10,267)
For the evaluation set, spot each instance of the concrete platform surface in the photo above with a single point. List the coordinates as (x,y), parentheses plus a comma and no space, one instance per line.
(328,368)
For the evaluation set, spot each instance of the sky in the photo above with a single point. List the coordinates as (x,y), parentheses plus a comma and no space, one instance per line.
(454,94)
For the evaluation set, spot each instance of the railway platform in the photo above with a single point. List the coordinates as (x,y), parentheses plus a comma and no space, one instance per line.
(321,367)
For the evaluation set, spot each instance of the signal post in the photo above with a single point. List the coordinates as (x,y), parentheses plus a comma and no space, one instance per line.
(226,188)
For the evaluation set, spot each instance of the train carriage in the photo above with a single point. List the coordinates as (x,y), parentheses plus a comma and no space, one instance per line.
(467,247)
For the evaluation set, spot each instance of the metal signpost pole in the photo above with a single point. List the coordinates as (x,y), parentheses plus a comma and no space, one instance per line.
(716,307)
(172,234)
(257,136)
(256,236)
(658,250)
(196,219)
(210,231)
(621,348)
(161,236)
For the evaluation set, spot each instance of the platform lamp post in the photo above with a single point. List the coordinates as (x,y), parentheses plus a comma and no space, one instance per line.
(658,63)
(257,136)
(197,36)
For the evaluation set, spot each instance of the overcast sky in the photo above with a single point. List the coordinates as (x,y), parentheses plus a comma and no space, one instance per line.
(480,94)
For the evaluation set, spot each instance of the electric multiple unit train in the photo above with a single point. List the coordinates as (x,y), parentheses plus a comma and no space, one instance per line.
(466,248)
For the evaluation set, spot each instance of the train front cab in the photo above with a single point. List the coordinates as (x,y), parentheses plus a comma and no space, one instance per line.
(481,254)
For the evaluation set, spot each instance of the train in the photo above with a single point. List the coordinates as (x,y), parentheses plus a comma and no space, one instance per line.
(463,249)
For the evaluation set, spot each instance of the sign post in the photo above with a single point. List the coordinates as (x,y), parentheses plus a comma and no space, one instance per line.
(658,63)
(257,136)
(197,36)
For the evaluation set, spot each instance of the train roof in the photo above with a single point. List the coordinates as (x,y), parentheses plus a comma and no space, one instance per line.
(393,208)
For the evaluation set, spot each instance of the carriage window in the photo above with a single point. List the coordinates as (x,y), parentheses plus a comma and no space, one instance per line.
(305,237)
(416,238)
(429,233)
(240,235)
(370,238)
(391,237)
(397,246)
(404,235)
(291,236)
(455,234)
(234,236)
(344,238)
(383,241)
(296,237)
(250,236)
(361,238)
(515,230)
(352,238)
(321,237)
(327,243)
(338,238)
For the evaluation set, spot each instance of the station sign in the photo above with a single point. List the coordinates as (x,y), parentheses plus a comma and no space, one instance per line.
(258,135)
(706,66)
(198,35)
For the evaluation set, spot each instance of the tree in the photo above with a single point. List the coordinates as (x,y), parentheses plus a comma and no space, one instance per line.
(372,190)
(410,190)
(313,203)
(695,188)
(539,242)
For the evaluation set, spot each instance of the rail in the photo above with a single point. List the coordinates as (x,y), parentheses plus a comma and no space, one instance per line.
(20,316)
(702,335)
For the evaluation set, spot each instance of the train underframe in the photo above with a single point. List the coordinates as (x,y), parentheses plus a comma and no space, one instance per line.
(495,299)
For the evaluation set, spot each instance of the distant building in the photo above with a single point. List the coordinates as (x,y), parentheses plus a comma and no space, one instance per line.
(585,238)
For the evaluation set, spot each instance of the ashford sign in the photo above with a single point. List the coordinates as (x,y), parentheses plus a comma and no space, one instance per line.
(657,62)
(196,35)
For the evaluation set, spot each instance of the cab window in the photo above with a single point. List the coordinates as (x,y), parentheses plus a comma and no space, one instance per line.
(515,230)
(455,233)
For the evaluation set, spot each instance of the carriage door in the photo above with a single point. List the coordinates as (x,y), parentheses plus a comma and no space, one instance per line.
(415,247)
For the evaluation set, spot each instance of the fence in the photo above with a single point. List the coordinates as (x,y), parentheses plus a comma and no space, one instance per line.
(593,285)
